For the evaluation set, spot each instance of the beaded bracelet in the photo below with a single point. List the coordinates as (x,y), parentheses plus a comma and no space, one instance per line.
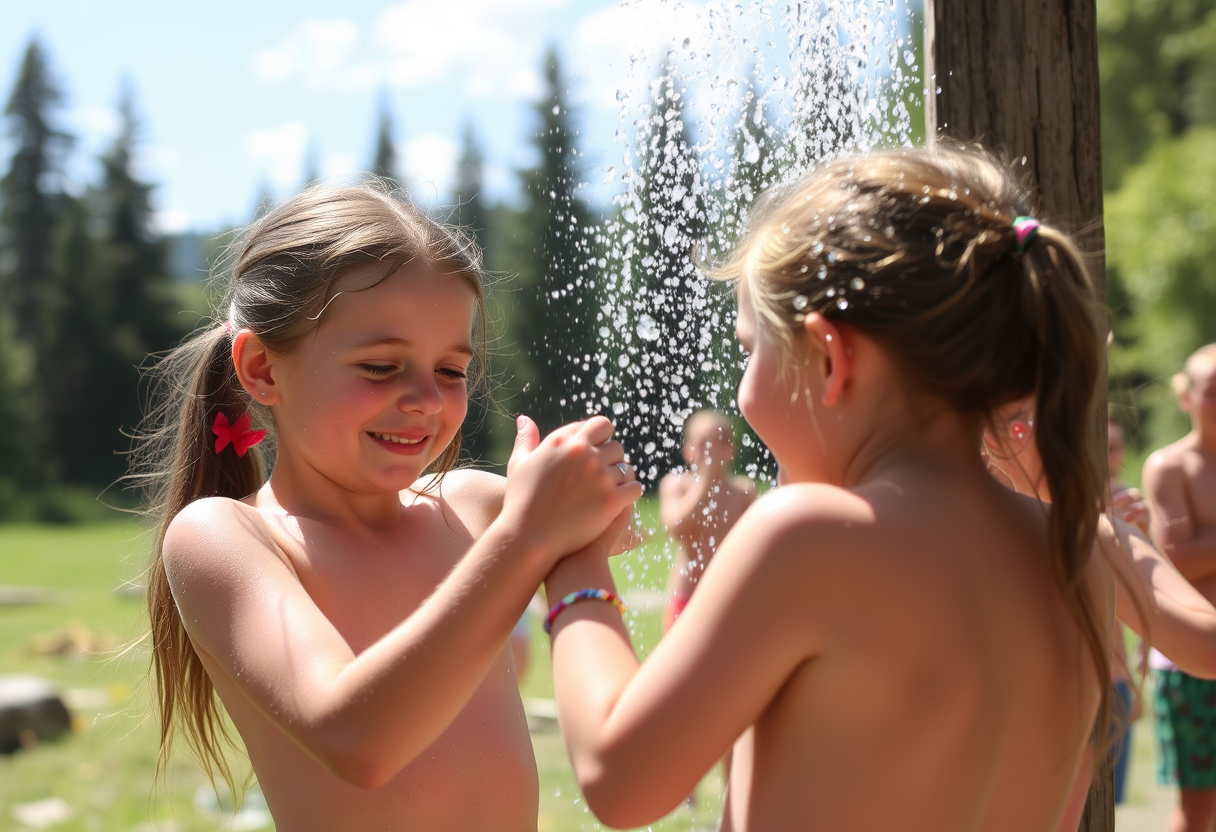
(583,595)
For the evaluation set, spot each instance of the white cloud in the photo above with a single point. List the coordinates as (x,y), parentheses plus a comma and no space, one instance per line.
(486,47)
(338,165)
(430,165)
(171,221)
(96,123)
(280,150)
(317,51)
(618,50)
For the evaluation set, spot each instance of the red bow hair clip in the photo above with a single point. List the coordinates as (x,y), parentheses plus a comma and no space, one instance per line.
(238,435)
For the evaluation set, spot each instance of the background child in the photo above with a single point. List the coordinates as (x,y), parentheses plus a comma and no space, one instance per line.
(896,640)
(700,505)
(1180,483)
(360,652)
(1154,600)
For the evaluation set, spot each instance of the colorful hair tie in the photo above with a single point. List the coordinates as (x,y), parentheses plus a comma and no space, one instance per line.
(583,595)
(1025,229)
(238,435)
(227,326)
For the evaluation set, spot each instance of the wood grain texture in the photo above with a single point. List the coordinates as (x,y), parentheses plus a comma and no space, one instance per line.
(1021,77)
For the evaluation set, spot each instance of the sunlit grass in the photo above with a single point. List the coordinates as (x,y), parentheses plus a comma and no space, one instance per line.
(104,770)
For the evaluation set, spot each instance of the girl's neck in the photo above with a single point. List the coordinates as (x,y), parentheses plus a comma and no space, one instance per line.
(926,435)
(302,491)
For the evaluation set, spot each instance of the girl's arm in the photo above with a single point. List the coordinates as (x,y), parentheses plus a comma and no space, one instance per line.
(367,716)
(1181,621)
(641,736)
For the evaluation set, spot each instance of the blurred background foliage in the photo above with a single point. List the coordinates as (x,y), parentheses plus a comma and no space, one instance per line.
(1157,60)
(88,291)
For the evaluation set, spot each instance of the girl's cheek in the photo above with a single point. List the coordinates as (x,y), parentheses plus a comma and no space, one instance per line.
(749,403)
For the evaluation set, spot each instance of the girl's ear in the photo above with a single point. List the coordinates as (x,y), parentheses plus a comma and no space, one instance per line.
(253,367)
(831,353)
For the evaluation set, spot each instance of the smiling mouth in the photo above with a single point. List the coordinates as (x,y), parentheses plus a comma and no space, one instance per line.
(399,440)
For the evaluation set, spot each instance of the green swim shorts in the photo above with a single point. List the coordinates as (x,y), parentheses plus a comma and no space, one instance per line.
(1184,722)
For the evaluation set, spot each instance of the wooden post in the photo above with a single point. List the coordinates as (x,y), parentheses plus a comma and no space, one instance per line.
(1021,76)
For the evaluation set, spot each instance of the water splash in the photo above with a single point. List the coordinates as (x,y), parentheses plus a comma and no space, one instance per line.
(759,93)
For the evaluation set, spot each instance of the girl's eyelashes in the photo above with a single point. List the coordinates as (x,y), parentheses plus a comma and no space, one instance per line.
(382,370)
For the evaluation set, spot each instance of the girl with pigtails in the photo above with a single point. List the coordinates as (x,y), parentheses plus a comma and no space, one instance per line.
(891,639)
(350,610)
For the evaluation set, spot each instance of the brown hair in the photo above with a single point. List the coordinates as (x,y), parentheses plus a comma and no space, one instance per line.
(276,278)
(1180,383)
(916,249)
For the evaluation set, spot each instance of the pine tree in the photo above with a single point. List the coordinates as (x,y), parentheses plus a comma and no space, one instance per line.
(753,167)
(94,385)
(470,213)
(134,291)
(676,311)
(31,191)
(384,159)
(553,323)
(470,210)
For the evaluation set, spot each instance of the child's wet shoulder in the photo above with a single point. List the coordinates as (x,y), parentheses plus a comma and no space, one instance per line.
(475,496)
(796,513)
(212,525)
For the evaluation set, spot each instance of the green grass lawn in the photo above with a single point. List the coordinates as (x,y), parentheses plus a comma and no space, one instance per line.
(104,770)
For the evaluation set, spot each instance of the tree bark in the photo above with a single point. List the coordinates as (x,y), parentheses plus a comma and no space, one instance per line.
(1021,76)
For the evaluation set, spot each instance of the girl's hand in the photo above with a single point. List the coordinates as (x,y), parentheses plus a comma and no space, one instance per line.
(1129,506)
(564,492)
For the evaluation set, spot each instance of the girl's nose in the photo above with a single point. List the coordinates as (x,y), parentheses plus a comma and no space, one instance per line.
(420,395)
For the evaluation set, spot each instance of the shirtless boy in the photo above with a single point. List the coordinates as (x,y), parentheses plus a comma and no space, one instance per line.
(1180,483)
(700,505)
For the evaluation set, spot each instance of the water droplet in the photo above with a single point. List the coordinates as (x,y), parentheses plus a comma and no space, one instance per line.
(842,304)
(801,302)
(857,284)
(623,360)
(648,328)
(557,109)
(687,42)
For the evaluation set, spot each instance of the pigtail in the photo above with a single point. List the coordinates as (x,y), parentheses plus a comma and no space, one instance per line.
(278,277)
(1060,305)
(191,386)
(933,255)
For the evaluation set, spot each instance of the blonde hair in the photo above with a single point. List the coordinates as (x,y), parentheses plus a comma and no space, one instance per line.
(278,276)
(917,250)
(1180,383)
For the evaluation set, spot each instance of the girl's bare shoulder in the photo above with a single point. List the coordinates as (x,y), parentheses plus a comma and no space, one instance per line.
(788,519)
(211,530)
(474,496)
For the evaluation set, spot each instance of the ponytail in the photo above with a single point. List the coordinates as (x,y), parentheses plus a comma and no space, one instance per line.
(933,255)
(194,383)
(277,278)
(1060,302)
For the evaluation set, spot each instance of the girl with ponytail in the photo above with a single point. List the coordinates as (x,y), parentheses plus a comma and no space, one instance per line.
(350,609)
(891,639)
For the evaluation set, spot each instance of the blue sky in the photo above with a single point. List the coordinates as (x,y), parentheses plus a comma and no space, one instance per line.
(236,96)
(240,98)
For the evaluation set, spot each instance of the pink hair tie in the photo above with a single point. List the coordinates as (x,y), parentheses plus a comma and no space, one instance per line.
(1025,229)
(227,326)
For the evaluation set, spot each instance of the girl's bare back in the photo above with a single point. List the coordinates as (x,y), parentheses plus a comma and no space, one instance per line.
(480,772)
(953,693)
